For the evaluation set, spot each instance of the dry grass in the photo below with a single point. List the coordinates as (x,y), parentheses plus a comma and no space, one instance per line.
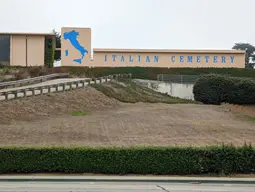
(134,124)
(130,92)
(55,104)
(242,112)
(88,117)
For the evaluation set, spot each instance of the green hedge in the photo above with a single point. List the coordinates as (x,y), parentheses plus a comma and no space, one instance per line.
(139,160)
(152,72)
(149,72)
(49,52)
(216,89)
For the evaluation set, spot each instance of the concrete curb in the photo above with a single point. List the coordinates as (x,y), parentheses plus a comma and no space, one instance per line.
(133,180)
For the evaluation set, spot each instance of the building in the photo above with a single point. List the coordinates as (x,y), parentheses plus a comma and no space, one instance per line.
(23,49)
(28,49)
(76,51)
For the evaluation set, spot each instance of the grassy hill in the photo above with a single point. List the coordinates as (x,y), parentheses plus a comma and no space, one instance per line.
(130,92)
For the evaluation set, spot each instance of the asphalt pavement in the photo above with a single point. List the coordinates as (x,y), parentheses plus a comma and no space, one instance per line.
(119,187)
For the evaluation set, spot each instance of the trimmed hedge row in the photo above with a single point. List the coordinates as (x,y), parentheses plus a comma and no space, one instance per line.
(216,89)
(139,160)
(152,72)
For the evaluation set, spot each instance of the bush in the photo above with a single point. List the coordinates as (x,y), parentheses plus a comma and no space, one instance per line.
(216,89)
(152,72)
(139,160)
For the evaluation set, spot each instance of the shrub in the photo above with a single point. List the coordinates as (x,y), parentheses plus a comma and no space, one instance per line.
(216,89)
(152,72)
(139,160)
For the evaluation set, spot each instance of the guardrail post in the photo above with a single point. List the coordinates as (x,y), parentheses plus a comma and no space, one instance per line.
(83,84)
(64,87)
(76,84)
(15,94)
(41,90)
(25,92)
(105,78)
(6,95)
(56,88)
(33,91)
(49,88)
(100,80)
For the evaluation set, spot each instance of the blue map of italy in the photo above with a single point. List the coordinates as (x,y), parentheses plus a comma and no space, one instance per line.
(72,37)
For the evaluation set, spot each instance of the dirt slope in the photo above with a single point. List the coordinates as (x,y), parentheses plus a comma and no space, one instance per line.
(47,120)
(34,108)
(135,124)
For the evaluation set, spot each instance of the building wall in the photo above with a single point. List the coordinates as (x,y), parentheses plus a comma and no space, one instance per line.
(169,58)
(18,50)
(76,42)
(75,46)
(35,50)
(30,53)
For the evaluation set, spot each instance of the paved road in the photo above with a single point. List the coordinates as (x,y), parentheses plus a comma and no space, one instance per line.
(119,187)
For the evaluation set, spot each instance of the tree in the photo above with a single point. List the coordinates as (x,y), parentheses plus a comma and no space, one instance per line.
(58,44)
(250,53)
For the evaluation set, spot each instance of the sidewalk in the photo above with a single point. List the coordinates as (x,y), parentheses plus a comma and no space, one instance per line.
(158,179)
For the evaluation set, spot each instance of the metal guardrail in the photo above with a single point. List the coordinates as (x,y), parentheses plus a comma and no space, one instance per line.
(58,87)
(182,79)
(32,80)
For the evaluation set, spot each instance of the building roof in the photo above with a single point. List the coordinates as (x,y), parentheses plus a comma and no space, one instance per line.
(230,51)
(28,34)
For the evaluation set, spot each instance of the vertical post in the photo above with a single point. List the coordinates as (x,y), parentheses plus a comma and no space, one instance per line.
(64,87)
(16,95)
(6,95)
(33,91)
(49,89)
(26,51)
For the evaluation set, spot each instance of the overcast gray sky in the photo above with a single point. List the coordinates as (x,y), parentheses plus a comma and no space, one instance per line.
(160,24)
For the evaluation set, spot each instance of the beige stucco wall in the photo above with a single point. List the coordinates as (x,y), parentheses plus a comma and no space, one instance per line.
(138,57)
(168,58)
(71,54)
(18,50)
(35,50)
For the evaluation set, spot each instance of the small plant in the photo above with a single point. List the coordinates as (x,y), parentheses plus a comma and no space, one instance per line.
(79,113)
(34,71)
